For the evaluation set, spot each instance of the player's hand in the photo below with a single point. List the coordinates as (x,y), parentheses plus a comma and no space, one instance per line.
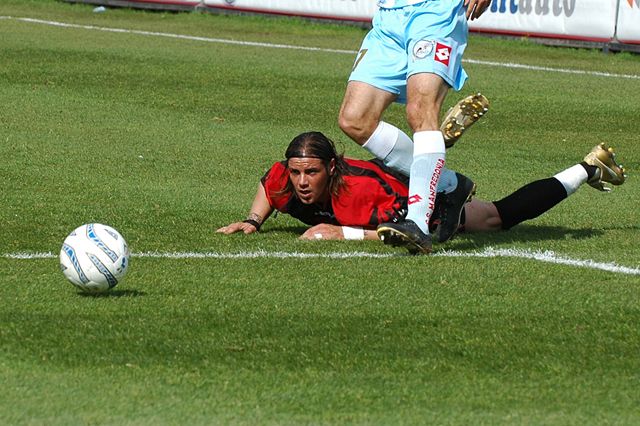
(475,8)
(247,228)
(323,231)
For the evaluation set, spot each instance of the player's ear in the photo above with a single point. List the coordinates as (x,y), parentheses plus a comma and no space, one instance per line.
(332,166)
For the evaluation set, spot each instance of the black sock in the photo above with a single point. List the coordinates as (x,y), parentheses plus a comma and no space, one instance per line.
(591,170)
(530,201)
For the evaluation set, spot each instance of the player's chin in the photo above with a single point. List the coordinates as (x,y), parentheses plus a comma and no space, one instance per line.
(307,198)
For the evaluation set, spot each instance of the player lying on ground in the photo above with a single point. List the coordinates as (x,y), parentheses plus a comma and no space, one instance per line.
(342,198)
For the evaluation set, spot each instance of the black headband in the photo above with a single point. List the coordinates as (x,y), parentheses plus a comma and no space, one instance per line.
(303,155)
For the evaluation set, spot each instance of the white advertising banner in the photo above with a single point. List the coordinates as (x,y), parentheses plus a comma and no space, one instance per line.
(189,3)
(353,10)
(589,20)
(586,20)
(629,21)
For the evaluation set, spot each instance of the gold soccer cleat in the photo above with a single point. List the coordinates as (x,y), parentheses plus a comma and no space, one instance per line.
(461,116)
(603,157)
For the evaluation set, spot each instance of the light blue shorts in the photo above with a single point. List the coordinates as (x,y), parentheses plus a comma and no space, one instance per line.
(426,37)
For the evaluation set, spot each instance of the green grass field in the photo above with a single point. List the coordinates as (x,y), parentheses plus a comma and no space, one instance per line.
(165,139)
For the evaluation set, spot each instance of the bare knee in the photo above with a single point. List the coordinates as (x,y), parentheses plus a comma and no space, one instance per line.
(362,109)
(357,125)
(481,216)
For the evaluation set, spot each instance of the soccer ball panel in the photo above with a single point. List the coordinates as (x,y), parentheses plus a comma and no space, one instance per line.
(94,257)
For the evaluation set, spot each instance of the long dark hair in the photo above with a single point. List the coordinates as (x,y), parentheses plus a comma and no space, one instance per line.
(317,145)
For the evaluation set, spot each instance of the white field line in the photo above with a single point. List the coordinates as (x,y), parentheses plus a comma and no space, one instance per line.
(550,69)
(540,256)
(315,49)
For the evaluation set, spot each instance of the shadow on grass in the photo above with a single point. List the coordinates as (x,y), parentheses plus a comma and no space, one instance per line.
(622,228)
(114,294)
(525,233)
(520,233)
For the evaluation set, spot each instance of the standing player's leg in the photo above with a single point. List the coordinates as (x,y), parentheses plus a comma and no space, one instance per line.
(425,95)
(437,37)
(426,92)
(378,78)
(360,119)
(361,110)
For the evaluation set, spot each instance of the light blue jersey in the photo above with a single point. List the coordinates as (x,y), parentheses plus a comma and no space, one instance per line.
(425,37)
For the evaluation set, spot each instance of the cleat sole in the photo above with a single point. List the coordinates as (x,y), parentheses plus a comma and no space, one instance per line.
(394,238)
(461,116)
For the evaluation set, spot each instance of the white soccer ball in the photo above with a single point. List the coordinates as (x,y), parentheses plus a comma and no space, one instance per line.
(94,257)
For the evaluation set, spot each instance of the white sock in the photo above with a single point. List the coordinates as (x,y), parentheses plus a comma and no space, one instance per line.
(572,178)
(392,146)
(395,149)
(428,162)
(448,181)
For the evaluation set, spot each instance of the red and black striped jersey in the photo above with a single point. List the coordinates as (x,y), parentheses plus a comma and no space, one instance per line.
(373,194)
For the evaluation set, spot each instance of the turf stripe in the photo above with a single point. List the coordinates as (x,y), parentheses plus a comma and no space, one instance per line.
(306,48)
(489,252)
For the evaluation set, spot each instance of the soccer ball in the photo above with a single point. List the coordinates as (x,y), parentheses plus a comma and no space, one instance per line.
(94,257)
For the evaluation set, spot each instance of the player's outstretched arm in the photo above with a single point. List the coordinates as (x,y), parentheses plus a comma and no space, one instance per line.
(325,231)
(260,211)
(475,8)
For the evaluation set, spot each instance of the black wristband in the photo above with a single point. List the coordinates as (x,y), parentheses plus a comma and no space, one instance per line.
(253,222)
